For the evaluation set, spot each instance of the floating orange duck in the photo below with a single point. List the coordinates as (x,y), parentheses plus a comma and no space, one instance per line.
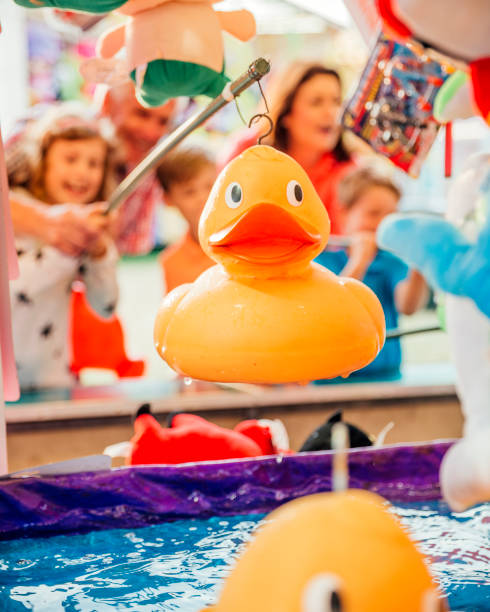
(266,313)
(331,552)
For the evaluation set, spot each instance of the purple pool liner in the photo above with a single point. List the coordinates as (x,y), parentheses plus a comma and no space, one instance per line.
(144,495)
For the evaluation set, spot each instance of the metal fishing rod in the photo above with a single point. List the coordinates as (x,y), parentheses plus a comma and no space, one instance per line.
(398,333)
(258,69)
(338,241)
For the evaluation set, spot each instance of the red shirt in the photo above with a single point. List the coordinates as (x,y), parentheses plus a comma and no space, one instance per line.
(325,176)
(136,218)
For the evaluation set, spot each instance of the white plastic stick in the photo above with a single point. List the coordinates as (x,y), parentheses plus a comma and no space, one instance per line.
(340,443)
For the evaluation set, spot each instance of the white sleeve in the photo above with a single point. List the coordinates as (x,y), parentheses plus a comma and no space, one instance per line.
(41,269)
(99,276)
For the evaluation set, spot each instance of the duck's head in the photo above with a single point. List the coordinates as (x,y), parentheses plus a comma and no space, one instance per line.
(332,552)
(263,216)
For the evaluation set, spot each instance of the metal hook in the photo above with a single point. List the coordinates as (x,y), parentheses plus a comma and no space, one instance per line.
(271,125)
(263,97)
(258,115)
(239,112)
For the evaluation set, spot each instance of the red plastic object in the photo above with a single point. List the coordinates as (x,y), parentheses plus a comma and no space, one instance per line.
(391,20)
(480,75)
(191,438)
(260,435)
(98,342)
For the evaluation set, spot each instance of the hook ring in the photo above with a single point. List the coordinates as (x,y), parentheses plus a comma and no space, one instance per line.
(256,118)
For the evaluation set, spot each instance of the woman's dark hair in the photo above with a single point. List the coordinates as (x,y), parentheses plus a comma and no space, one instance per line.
(296,77)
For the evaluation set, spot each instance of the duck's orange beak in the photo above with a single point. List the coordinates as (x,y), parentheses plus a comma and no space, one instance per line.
(264,234)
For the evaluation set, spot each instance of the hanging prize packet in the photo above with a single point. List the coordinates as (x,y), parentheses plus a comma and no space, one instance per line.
(392,107)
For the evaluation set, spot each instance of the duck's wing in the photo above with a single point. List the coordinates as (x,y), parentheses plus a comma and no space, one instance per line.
(165,313)
(371,303)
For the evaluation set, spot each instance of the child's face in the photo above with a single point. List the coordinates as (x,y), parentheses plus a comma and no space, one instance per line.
(191,196)
(369,210)
(74,170)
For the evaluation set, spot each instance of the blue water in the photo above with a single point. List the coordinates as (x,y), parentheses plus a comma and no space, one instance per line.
(180,566)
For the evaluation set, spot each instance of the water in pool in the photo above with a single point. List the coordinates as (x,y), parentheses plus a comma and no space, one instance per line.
(180,566)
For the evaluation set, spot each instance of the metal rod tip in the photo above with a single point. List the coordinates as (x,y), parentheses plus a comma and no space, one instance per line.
(261,67)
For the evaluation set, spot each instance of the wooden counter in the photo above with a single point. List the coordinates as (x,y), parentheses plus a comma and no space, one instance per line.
(52,427)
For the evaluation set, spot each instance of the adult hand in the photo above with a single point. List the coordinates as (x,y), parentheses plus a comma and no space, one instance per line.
(98,248)
(73,228)
(105,222)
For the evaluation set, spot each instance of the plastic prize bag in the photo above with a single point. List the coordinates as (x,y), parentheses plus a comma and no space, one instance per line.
(392,107)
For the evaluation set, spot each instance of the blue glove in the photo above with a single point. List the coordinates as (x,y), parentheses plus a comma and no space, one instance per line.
(447,259)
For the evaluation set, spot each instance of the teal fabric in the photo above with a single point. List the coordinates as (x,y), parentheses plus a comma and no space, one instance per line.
(166,79)
(448,260)
(82,6)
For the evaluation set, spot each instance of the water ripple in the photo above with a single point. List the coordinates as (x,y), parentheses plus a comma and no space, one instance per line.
(180,566)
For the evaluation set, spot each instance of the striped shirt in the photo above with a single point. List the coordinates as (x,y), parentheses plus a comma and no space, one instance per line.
(136,218)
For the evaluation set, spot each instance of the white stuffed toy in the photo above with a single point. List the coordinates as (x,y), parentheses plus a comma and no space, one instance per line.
(454,254)
(465,471)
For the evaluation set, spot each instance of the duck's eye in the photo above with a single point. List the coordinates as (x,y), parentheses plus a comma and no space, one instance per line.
(294,193)
(322,594)
(234,195)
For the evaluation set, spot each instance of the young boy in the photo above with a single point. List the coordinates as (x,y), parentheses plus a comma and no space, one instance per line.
(366,198)
(186,176)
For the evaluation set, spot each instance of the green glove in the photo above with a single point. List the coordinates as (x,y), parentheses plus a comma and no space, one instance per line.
(166,79)
(447,92)
(82,6)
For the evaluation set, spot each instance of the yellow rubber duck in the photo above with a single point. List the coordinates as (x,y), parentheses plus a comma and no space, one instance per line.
(331,552)
(266,313)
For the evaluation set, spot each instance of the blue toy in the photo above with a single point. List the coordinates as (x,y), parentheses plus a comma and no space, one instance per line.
(444,255)
(454,255)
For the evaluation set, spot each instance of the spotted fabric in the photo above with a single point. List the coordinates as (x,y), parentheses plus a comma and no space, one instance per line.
(39,301)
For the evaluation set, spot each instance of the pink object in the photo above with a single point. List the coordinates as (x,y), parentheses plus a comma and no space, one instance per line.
(86,48)
(8,270)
